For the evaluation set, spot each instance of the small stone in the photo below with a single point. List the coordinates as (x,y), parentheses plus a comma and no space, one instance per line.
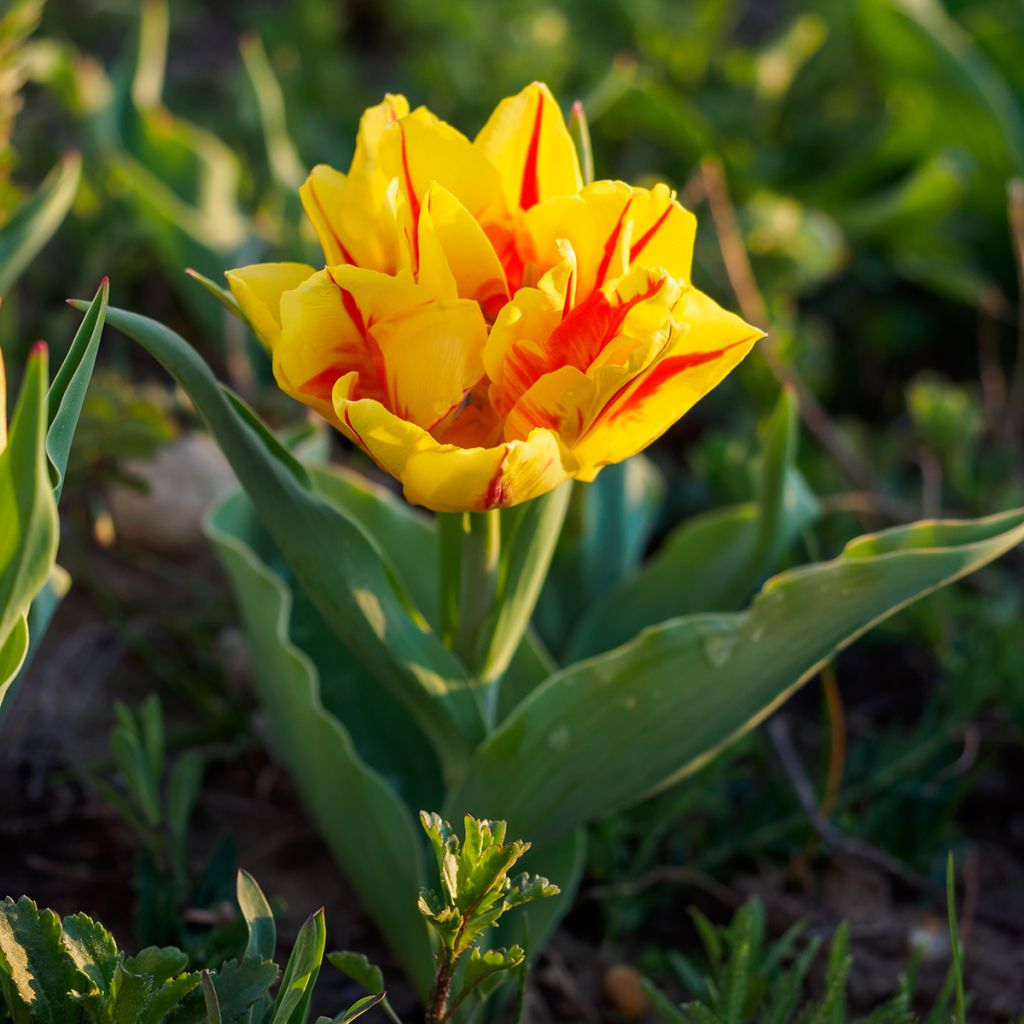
(624,990)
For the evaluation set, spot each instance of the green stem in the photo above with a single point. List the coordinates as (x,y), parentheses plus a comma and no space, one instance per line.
(480,556)
(450,529)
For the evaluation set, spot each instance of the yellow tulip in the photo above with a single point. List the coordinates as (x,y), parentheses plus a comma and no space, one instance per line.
(486,326)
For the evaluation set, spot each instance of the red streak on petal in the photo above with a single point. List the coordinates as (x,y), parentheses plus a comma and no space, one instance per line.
(322,384)
(495,495)
(641,242)
(355,433)
(414,202)
(355,314)
(662,373)
(567,305)
(581,337)
(345,254)
(610,246)
(529,194)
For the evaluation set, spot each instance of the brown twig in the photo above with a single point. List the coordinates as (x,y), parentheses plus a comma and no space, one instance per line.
(1015,404)
(858,849)
(754,308)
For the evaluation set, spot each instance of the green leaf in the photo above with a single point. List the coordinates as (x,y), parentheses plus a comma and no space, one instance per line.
(42,978)
(482,966)
(222,295)
(411,541)
(606,732)
(92,950)
(712,562)
(28,510)
(240,985)
(259,918)
(359,969)
(213,1014)
(33,224)
(296,990)
(607,528)
(357,1009)
(342,570)
(321,756)
(67,392)
(530,532)
(182,790)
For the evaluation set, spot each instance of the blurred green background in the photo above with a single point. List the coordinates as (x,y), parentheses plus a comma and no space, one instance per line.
(851,163)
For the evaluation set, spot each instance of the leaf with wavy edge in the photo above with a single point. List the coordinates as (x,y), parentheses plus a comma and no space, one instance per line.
(346,575)
(608,731)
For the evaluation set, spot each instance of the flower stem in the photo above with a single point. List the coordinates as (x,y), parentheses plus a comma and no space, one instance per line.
(479,558)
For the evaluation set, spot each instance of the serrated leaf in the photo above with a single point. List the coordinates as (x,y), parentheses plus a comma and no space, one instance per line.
(482,965)
(41,977)
(241,984)
(158,962)
(92,950)
(259,918)
(647,714)
(359,969)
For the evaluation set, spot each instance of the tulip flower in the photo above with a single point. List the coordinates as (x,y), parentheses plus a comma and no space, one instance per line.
(485,325)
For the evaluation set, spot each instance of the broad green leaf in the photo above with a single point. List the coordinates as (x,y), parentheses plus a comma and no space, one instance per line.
(606,531)
(92,950)
(28,542)
(714,561)
(67,392)
(607,731)
(344,573)
(41,976)
(258,917)
(296,989)
(374,841)
(13,654)
(359,969)
(33,224)
(384,734)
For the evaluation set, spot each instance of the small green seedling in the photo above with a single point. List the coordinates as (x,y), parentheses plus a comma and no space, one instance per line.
(475,892)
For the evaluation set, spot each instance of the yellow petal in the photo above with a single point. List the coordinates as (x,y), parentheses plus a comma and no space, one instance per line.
(526,139)
(613,226)
(421,149)
(258,289)
(352,218)
(468,256)
(350,212)
(417,355)
(447,478)
(708,343)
